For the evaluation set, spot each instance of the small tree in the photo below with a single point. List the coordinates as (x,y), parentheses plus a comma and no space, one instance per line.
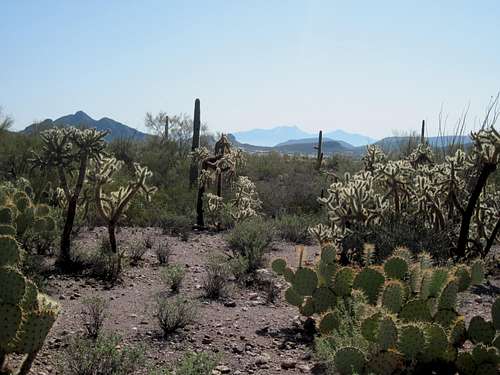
(112,206)
(69,152)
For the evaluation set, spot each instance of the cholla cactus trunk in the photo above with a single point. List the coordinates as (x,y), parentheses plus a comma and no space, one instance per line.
(193,172)
(486,171)
(200,222)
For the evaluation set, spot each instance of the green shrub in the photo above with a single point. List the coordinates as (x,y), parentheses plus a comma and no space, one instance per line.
(176,225)
(94,312)
(172,276)
(251,239)
(103,264)
(89,357)
(174,313)
(216,279)
(163,252)
(294,228)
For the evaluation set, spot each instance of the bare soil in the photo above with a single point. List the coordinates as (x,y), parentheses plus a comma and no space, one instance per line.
(251,335)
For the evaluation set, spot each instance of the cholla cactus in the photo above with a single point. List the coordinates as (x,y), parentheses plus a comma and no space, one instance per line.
(409,317)
(452,195)
(68,151)
(246,202)
(26,314)
(112,206)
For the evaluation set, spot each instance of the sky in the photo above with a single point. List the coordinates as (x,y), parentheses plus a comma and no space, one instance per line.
(370,67)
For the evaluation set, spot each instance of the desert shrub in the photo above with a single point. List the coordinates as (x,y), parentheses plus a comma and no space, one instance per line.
(394,231)
(238,266)
(294,228)
(197,364)
(84,356)
(93,314)
(163,252)
(104,264)
(174,313)
(216,280)
(176,225)
(148,241)
(172,276)
(250,239)
(136,251)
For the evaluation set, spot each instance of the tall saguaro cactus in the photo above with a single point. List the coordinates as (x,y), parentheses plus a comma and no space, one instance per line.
(319,147)
(193,173)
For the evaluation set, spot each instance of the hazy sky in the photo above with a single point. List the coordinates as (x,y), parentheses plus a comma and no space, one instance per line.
(369,67)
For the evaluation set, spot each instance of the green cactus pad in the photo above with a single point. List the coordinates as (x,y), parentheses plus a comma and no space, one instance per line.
(326,272)
(393,296)
(278,266)
(495,314)
(448,297)
(25,220)
(386,363)
(13,285)
(446,318)
(324,299)
(9,251)
(10,320)
(411,341)
(482,354)
(344,278)
(34,330)
(464,278)
(7,230)
(477,272)
(305,281)
(480,331)
(396,268)
(416,311)
(328,323)
(328,254)
(369,327)
(415,278)
(349,360)
(458,333)
(22,201)
(370,281)
(293,298)
(403,252)
(438,281)
(307,308)
(30,299)
(436,342)
(6,216)
(288,274)
(465,364)
(387,334)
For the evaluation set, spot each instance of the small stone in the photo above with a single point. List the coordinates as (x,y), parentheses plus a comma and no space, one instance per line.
(223,369)
(288,364)
(230,304)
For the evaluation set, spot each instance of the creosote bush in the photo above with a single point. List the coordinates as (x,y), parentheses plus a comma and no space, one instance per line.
(105,264)
(136,251)
(174,313)
(93,314)
(251,239)
(85,356)
(216,280)
(294,228)
(163,252)
(172,276)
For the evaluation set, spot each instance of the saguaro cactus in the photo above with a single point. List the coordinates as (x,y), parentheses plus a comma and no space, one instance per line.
(193,173)
(319,147)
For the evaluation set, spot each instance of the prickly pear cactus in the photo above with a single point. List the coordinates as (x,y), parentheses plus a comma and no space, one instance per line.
(26,315)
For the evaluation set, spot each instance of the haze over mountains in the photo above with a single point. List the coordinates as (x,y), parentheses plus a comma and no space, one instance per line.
(281,134)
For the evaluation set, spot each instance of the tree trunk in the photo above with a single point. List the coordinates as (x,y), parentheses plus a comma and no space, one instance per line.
(471,205)
(65,257)
(3,361)
(26,365)
(112,237)
(492,238)
(200,222)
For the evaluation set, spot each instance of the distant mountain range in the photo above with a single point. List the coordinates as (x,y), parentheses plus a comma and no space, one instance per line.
(277,136)
(80,118)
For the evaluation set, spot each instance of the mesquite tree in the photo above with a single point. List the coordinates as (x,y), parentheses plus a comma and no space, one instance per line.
(69,152)
(111,206)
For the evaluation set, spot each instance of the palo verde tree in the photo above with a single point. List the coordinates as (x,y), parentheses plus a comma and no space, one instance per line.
(69,151)
(111,206)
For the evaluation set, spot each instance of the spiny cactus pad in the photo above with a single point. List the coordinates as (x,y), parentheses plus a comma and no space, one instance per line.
(436,342)
(415,311)
(369,327)
(464,278)
(279,266)
(293,298)
(480,331)
(328,323)
(385,362)
(370,281)
(396,268)
(465,364)
(305,281)
(10,319)
(13,285)
(411,340)
(393,296)
(387,334)
(324,299)
(477,272)
(349,360)
(9,251)
(343,281)
(458,333)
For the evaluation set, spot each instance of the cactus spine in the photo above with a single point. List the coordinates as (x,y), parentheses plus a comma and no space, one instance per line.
(193,173)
